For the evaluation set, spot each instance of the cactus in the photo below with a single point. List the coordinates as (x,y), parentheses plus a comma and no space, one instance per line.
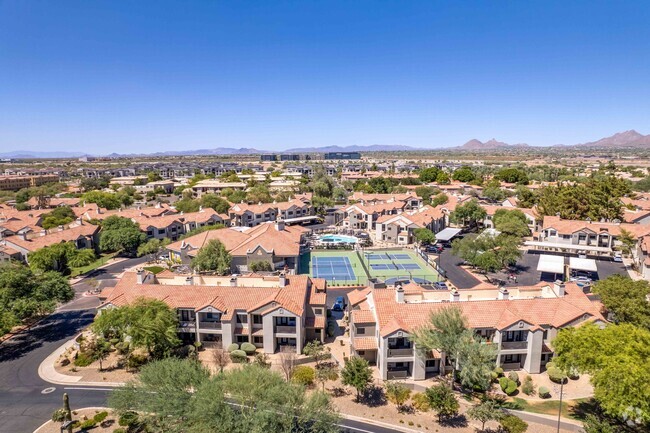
(68,412)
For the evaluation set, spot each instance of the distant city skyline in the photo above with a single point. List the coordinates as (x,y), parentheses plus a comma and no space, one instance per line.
(102,77)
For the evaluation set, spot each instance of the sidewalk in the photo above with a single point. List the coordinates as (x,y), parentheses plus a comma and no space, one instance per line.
(48,373)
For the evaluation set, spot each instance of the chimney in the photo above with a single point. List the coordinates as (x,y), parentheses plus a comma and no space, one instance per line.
(454,295)
(283,279)
(80,221)
(503,293)
(558,287)
(279,224)
(140,274)
(23,235)
(189,281)
(43,232)
(399,294)
(233,282)
(61,228)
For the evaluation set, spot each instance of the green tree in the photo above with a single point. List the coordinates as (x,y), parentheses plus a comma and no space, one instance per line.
(494,193)
(101,351)
(627,240)
(443,401)
(512,175)
(424,236)
(430,174)
(187,205)
(263,266)
(357,374)
(52,258)
(120,235)
(153,248)
(424,192)
(397,393)
(488,410)
(464,174)
(470,213)
(212,201)
(213,257)
(593,424)
(107,200)
(58,217)
(511,222)
(476,362)
(513,424)
(526,198)
(80,258)
(326,373)
(487,252)
(259,194)
(439,199)
(626,299)
(148,323)
(616,357)
(152,176)
(316,350)
(445,331)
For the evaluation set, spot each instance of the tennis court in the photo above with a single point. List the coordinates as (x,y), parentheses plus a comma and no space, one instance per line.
(337,267)
(332,268)
(399,265)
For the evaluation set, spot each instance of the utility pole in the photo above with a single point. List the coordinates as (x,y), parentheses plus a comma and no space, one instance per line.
(559,412)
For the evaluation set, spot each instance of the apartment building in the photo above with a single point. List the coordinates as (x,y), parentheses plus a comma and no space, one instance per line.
(211,186)
(410,200)
(251,215)
(399,229)
(491,210)
(364,217)
(14,183)
(522,322)
(273,313)
(575,236)
(172,226)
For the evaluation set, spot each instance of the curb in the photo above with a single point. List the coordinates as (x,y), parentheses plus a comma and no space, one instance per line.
(47,372)
(81,408)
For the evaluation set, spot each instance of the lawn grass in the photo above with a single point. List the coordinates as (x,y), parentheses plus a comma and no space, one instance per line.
(154,269)
(102,260)
(550,407)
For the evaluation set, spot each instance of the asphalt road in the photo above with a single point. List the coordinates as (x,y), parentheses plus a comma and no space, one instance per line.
(456,275)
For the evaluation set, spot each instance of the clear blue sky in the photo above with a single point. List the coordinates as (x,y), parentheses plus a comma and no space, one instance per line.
(141,76)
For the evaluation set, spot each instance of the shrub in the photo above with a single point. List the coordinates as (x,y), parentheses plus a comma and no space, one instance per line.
(101,416)
(59,415)
(513,376)
(83,359)
(135,361)
(249,348)
(303,375)
(233,347)
(114,341)
(122,347)
(528,387)
(494,376)
(543,392)
(421,402)
(88,424)
(238,356)
(513,424)
(556,375)
(198,345)
(499,371)
(128,419)
(508,386)
(503,383)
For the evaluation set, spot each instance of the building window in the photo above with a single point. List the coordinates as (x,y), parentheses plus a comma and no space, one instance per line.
(318,311)
(361,331)
(431,363)
(242,339)
(242,318)
(361,352)
(258,340)
(257,319)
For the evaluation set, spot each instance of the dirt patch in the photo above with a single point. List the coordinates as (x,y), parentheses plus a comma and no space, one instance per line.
(109,424)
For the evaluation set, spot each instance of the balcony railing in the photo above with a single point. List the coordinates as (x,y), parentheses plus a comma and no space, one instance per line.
(514,345)
(210,325)
(405,351)
(397,374)
(187,324)
(283,329)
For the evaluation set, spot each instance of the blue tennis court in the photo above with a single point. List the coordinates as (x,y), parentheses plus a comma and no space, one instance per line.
(407,266)
(393,256)
(332,268)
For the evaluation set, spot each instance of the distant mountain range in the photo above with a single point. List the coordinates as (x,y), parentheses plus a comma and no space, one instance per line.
(626,139)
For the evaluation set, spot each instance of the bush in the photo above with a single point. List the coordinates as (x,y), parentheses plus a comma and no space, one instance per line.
(499,371)
(421,402)
(508,386)
(249,348)
(303,375)
(114,341)
(513,376)
(128,419)
(494,376)
(83,359)
(543,392)
(198,345)
(556,375)
(528,387)
(238,356)
(122,347)
(513,424)
(101,416)
(88,424)
(59,415)
(135,361)
(233,347)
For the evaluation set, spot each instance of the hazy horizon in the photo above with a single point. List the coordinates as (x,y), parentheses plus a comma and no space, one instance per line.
(102,77)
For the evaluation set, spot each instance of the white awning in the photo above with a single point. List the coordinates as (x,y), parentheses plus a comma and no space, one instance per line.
(551,264)
(583,264)
(447,234)
(302,219)
(561,246)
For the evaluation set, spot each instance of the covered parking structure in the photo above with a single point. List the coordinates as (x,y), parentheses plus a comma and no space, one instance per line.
(551,264)
(587,265)
(446,235)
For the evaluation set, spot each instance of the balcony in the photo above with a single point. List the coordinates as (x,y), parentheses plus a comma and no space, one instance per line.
(514,345)
(397,374)
(400,352)
(187,325)
(210,325)
(284,329)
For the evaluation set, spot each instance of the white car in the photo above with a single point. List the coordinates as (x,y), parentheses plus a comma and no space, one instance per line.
(581,280)
(618,257)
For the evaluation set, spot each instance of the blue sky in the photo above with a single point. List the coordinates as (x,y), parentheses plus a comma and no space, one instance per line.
(140,76)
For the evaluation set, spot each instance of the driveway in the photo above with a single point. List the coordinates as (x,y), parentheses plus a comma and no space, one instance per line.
(456,275)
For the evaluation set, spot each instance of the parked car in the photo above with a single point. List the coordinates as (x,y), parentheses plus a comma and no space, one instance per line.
(618,257)
(339,304)
(441,285)
(434,249)
(581,280)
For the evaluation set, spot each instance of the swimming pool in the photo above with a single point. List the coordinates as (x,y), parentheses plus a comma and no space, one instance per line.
(338,239)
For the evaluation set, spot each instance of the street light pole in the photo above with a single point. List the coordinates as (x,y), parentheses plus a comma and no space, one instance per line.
(559,412)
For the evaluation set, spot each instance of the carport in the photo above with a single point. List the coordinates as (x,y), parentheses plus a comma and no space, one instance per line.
(447,234)
(551,264)
(578,264)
